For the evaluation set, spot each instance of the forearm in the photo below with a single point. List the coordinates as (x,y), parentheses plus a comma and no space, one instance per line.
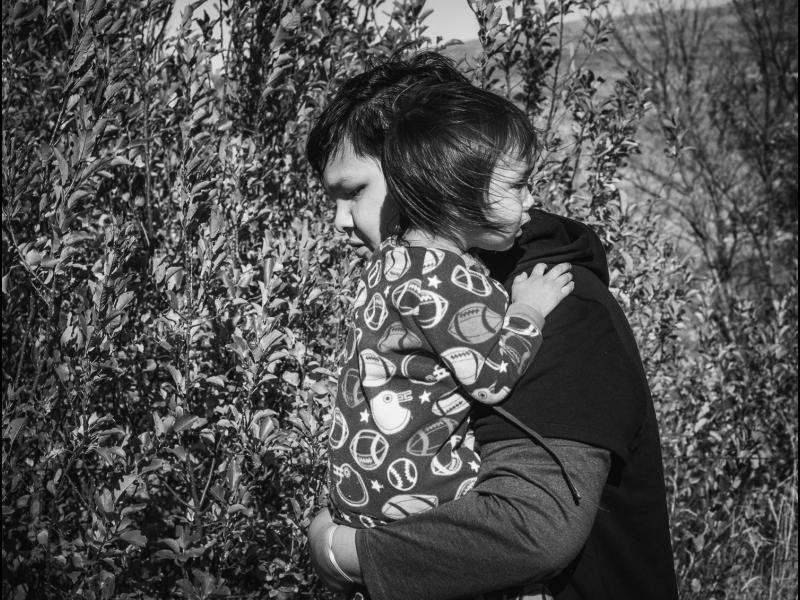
(519,524)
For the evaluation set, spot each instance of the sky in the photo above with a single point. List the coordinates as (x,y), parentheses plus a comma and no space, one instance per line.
(453,19)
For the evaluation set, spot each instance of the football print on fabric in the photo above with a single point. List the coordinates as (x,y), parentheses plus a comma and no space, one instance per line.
(406,297)
(397,264)
(420,368)
(465,487)
(376,312)
(470,281)
(374,274)
(350,385)
(450,405)
(339,430)
(432,309)
(402,505)
(361,295)
(475,323)
(429,439)
(376,371)
(398,338)
(465,362)
(433,258)
(369,449)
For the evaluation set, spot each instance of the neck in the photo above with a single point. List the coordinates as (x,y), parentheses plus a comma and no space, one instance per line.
(416,237)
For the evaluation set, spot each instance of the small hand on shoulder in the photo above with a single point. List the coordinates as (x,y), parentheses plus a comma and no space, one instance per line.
(543,289)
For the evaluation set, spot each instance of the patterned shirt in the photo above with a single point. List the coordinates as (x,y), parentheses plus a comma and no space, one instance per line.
(430,332)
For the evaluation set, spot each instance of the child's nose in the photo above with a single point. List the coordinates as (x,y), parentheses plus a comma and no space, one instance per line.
(343,219)
(528,200)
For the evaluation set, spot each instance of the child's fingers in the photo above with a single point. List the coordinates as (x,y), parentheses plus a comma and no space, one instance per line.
(539,270)
(559,270)
(520,277)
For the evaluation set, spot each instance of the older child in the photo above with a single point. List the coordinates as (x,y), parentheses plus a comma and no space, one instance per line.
(431,331)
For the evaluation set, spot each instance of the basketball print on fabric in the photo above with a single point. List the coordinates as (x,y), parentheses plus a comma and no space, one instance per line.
(465,362)
(397,263)
(388,412)
(470,281)
(369,449)
(475,323)
(350,485)
(402,505)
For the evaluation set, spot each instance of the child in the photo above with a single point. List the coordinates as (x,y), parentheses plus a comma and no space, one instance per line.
(431,331)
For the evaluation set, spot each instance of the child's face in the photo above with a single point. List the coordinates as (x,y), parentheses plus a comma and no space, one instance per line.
(508,203)
(357,185)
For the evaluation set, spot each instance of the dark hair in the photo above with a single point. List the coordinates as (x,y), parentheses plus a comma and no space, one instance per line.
(362,109)
(441,149)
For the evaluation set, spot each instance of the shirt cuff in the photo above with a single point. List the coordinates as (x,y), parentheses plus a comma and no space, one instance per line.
(527,312)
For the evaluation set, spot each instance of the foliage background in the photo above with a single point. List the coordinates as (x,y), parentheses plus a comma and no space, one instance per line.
(173,293)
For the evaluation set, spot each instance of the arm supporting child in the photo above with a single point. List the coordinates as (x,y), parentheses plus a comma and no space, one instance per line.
(518,525)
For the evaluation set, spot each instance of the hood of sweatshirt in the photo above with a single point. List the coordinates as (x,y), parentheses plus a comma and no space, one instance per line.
(550,239)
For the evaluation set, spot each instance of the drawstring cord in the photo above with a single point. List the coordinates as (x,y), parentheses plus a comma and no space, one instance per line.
(540,440)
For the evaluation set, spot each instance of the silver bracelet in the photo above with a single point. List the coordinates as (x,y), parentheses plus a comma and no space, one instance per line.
(332,557)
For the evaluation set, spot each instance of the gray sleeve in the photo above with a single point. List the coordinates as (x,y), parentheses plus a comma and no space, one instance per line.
(518,525)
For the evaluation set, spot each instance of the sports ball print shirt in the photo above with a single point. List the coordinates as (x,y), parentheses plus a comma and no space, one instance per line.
(430,332)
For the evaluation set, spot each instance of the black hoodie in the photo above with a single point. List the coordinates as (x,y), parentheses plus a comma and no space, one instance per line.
(588,384)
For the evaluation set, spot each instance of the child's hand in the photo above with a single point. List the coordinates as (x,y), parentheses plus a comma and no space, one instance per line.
(543,290)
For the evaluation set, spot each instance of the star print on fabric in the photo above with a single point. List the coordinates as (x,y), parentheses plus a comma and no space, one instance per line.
(474,466)
(376,485)
(425,397)
(365,416)
(387,290)
(434,282)
(503,367)
(346,518)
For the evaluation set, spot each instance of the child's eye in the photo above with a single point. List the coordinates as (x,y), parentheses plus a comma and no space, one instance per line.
(354,193)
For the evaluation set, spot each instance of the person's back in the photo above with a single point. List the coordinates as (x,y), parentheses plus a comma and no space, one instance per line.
(589,385)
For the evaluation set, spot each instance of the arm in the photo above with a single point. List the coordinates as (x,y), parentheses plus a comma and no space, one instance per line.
(519,524)
(465,319)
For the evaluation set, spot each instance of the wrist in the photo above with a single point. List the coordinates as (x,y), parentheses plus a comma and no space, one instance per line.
(527,311)
(343,550)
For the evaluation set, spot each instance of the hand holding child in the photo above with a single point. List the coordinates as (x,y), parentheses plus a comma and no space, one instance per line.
(543,290)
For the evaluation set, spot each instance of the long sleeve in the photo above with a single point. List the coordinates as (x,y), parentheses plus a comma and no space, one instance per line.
(518,525)
(464,317)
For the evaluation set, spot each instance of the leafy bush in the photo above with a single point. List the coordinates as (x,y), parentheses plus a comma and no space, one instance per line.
(173,296)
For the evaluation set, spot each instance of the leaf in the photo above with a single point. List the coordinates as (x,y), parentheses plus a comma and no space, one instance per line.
(187,421)
(124,484)
(14,428)
(134,537)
